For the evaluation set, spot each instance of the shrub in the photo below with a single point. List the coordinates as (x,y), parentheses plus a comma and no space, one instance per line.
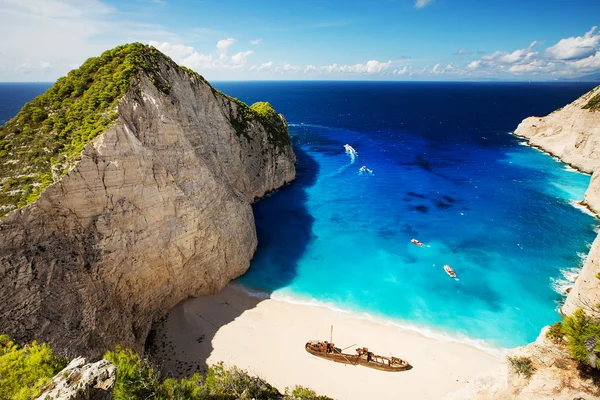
(302,393)
(583,337)
(555,333)
(25,370)
(594,103)
(136,379)
(237,383)
(522,365)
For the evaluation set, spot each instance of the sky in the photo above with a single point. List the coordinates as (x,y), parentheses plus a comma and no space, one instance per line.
(311,39)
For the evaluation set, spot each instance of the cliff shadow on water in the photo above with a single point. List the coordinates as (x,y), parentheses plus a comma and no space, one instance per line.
(182,341)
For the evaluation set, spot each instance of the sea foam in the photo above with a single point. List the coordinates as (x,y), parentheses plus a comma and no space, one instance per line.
(352,153)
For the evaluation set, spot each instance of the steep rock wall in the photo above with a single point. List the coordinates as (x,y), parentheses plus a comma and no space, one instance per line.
(157,209)
(573,135)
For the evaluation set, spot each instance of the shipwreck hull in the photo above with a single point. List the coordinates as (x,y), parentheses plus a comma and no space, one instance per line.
(342,358)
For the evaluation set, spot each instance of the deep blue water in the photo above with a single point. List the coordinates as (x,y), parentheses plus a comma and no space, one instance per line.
(445,171)
(14,95)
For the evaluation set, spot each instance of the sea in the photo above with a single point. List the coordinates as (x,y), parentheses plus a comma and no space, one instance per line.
(381,163)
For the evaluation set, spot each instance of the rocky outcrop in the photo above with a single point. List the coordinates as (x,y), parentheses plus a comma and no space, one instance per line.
(82,381)
(155,210)
(573,135)
(554,377)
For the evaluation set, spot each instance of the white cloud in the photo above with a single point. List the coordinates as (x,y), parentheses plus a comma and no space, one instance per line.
(517,56)
(198,61)
(175,51)
(223,45)
(475,64)
(290,67)
(63,33)
(240,59)
(534,67)
(439,69)
(403,71)
(216,60)
(422,3)
(569,56)
(370,67)
(462,52)
(255,41)
(265,66)
(589,64)
(575,48)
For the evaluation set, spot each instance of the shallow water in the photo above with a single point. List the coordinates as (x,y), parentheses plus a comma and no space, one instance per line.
(498,212)
(444,171)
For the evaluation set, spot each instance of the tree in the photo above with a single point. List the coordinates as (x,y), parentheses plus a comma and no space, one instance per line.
(25,370)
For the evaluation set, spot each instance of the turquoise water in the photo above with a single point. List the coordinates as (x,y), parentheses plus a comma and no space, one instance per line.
(499,212)
(445,171)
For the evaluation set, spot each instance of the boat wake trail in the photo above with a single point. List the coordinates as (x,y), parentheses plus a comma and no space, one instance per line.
(352,153)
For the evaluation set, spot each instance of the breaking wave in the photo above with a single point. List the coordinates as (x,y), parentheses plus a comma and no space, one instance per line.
(562,284)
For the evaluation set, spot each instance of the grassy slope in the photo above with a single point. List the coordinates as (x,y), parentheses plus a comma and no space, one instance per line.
(594,103)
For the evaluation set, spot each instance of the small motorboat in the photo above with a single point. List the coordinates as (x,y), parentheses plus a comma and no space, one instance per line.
(415,241)
(364,170)
(449,271)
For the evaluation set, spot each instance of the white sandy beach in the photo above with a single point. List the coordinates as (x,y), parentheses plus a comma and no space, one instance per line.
(267,337)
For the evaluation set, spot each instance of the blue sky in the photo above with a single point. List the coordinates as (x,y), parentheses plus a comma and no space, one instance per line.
(311,39)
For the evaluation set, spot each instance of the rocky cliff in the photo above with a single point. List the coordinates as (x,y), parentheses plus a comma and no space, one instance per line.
(573,135)
(153,210)
(82,381)
(553,376)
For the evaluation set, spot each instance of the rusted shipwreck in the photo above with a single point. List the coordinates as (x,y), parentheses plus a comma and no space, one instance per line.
(363,356)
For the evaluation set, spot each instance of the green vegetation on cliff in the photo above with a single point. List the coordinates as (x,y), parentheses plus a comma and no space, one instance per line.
(25,370)
(594,103)
(581,333)
(40,143)
(262,111)
(136,379)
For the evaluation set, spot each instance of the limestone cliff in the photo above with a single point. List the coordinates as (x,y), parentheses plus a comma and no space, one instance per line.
(82,381)
(155,209)
(573,134)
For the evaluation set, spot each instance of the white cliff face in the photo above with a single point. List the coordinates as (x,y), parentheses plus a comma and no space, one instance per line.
(156,210)
(573,134)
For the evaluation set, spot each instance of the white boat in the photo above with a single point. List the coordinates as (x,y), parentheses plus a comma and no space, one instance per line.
(415,241)
(449,271)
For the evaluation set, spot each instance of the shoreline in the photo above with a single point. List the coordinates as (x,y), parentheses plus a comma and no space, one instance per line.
(581,205)
(527,142)
(266,337)
(405,326)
